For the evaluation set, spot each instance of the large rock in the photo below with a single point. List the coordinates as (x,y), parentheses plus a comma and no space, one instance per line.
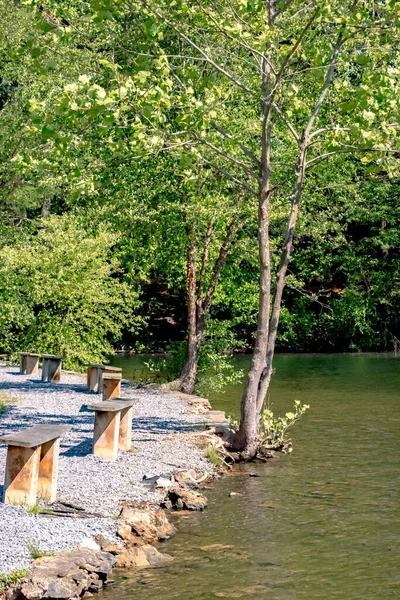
(150,525)
(67,575)
(184,499)
(142,557)
(186,477)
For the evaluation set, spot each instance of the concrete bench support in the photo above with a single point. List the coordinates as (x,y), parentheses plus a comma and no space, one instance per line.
(48,470)
(112,427)
(51,368)
(105,437)
(95,376)
(28,363)
(125,429)
(32,464)
(111,385)
(22,472)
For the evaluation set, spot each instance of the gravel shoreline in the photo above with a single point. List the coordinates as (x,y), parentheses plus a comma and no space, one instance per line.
(161,445)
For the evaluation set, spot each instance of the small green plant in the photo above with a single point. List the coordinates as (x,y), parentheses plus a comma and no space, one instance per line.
(4,401)
(273,430)
(34,509)
(36,552)
(10,579)
(212,454)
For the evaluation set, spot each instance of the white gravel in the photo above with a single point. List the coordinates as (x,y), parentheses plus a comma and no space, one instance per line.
(161,443)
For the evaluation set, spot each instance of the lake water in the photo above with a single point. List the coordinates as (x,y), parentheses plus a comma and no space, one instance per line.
(321,523)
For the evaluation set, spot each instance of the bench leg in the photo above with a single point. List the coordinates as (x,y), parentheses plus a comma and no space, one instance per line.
(48,470)
(105,438)
(45,370)
(125,429)
(93,379)
(22,365)
(51,370)
(32,365)
(111,389)
(22,471)
(55,370)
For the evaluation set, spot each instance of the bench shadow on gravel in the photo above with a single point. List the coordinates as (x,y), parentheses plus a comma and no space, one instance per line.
(39,386)
(83,425)
(84,448)
(160,426)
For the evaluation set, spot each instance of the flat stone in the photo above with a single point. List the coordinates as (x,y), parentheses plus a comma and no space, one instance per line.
(61,590)
(150,525)
(142,557)
(182,498)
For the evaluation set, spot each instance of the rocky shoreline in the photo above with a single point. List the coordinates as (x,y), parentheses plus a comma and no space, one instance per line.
(100,521)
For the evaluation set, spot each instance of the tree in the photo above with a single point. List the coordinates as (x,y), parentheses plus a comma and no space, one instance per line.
(317,83)
(261,92)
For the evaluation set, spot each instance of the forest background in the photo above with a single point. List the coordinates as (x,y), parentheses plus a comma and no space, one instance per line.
(99,219)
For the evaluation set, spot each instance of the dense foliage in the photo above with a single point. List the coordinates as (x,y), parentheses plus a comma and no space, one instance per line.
(100,192)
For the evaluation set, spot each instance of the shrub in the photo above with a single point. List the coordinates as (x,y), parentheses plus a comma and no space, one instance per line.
(273,430)
(61,292)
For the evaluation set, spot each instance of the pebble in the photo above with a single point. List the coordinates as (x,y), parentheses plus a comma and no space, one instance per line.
(161,427)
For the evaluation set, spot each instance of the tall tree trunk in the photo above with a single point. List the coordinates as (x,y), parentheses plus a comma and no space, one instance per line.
(189,371)
(247,438)
(280,282)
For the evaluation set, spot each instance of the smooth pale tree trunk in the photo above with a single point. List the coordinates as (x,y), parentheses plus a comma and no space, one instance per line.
(247,438)
(261,369)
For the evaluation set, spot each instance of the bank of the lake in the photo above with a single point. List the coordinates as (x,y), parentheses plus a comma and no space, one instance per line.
(92,491)
(320,523)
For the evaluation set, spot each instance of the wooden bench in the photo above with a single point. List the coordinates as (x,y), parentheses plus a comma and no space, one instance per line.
(28,363)
(95,376)
(32,464)
(111,385)
(51,368)
(112,426)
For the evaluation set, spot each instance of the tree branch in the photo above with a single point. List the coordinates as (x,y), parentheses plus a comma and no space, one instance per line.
(287,122)
(233,228)
(318,159)
(241,146)
(292,51)
(325,129)
(242,184)
(233,160)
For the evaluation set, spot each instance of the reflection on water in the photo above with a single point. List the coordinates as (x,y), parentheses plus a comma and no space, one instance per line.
(321,523)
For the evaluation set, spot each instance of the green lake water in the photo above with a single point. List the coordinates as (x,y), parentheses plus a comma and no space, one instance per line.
(321,523)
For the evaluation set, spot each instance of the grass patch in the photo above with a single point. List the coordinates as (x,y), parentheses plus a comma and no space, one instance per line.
(37,508)
(36,552)
(5,401)
(6,581)
(212,454)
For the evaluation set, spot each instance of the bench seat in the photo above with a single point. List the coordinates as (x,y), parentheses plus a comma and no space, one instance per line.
(35,435)
(111,405)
